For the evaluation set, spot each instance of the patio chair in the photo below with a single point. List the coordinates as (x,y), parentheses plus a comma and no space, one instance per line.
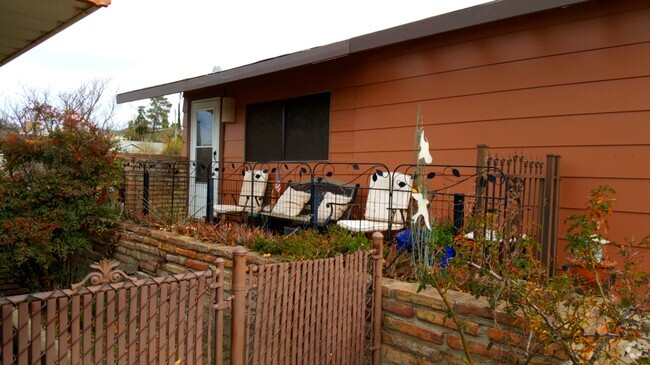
(380,215)
(251,195)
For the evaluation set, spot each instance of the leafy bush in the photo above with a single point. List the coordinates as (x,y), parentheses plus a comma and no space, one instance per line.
(56,181)
(558,312)
(301,245)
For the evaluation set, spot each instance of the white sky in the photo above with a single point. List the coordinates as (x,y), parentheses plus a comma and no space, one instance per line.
(141,43)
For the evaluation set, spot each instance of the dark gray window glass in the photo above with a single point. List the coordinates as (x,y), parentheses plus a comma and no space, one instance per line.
(288,130)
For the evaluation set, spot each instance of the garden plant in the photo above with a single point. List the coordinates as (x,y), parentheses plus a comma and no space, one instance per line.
(58,177)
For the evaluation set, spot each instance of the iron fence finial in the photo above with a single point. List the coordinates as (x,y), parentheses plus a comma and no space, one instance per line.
(106,273)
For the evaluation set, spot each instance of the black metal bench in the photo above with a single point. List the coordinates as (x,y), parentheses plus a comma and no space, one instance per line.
(310,215)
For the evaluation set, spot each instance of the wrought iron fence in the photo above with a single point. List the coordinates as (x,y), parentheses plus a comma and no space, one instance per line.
(363,197)
(533,197)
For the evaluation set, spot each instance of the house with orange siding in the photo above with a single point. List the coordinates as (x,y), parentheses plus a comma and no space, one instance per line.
(565,77)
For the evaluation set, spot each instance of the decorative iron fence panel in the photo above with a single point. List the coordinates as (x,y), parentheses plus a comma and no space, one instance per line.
(533,198)
(158,188)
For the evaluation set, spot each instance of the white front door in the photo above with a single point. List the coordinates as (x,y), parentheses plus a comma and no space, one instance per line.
(204,153)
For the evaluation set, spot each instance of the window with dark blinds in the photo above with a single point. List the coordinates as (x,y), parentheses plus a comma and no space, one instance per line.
(288,130)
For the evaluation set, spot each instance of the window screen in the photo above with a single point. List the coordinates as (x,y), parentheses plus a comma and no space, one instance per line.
(288,130)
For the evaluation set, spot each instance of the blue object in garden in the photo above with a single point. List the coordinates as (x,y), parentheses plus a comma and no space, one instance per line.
(448,254)
(404,241)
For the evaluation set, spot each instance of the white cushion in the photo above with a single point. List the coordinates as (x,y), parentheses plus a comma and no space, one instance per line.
(225,208)
(368,226)
(377,203)
(336,209)
(291,202)
(255,181)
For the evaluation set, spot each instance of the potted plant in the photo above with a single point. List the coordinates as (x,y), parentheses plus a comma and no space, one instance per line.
(589,265)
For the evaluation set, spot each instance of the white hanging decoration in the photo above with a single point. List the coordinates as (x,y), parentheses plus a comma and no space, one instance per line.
(423,209)
(424,149)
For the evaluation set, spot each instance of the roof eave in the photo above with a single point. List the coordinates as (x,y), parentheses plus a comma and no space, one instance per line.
(91,7)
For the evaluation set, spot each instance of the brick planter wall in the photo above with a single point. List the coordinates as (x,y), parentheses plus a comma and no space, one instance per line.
(149,251)
(415,327)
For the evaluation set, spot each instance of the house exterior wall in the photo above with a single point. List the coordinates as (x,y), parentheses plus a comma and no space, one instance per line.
(572,81)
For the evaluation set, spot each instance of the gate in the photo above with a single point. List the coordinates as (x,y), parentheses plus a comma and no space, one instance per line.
(309,312)
(533,197)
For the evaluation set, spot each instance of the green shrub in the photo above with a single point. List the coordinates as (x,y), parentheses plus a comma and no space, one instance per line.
(55,184)
(173,147)
(301,245)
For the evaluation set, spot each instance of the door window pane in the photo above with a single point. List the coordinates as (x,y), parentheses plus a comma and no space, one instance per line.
(203,160)
(204,121)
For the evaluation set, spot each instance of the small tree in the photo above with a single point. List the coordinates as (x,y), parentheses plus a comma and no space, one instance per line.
(139,125)
(55,182)
(158,112)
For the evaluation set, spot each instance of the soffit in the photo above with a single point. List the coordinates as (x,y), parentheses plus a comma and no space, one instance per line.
(27,23)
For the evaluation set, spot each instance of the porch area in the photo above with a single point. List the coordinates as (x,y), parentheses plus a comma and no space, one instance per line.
(519,193)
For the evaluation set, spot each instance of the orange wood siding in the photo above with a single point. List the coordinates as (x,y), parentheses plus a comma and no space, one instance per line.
(573,82)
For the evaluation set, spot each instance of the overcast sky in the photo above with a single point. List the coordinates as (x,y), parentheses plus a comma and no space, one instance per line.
(141,43)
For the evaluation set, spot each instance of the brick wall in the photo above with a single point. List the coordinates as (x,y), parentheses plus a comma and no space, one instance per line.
(415,327)
(151,252)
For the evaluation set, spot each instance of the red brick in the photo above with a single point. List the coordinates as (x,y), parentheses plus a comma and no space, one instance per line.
(167,247)
(477,348)
(398,308)
(207,258)
(474,307)
(507,337)
(161,235)
(196,265)
(413,330)
(426,298)
(480,308)
(441,319)
(186,253)
(405,343)
(150,241)
(386,291)
(143,231)
(148,266)
(179,240)
(397,356)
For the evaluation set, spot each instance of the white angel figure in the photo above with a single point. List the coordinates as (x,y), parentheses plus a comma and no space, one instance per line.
(424,149)
(423,208)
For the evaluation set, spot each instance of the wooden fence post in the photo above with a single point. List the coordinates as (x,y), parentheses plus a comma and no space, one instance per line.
(378,244)
(238,297)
